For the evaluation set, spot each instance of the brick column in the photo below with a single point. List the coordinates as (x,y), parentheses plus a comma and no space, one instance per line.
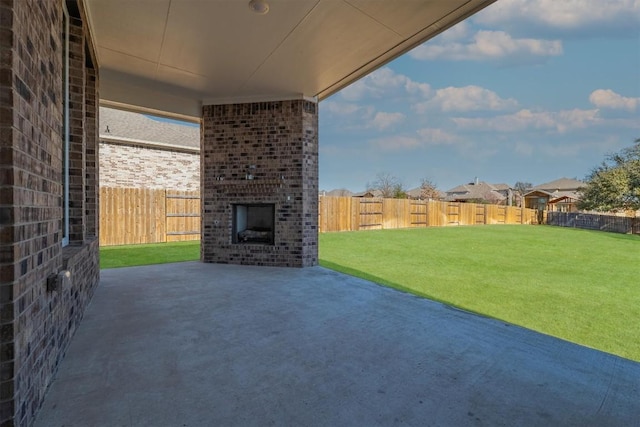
(261,153)
(92,141)
(77,226)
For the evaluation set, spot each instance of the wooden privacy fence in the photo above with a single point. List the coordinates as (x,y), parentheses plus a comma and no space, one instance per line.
(354,213)
(139,215)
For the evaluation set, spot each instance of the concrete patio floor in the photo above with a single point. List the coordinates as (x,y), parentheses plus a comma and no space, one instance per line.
(194,344)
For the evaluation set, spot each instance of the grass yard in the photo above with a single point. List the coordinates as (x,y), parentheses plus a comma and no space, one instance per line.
(579,285)
(156,253)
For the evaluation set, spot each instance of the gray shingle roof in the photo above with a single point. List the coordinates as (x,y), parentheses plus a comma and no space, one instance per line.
(416,193)
(481,190)
(135,127)
(501,187)
(562,184)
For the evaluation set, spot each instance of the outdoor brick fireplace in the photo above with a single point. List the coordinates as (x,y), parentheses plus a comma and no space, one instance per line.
(260,183)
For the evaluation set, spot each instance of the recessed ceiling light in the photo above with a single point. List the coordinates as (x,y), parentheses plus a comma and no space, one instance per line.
(260,7)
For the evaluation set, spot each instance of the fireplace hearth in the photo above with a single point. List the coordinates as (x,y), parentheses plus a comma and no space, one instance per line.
(254,223)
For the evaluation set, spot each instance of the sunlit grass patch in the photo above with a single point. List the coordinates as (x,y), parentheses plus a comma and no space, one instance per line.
(155,253)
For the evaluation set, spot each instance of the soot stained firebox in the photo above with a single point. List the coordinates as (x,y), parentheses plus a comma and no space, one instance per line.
(254,223)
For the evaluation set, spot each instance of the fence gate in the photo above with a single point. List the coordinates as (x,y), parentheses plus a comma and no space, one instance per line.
(182,216)
(502,213)
(480,213)
(371,214)
(419,215)
(453,213)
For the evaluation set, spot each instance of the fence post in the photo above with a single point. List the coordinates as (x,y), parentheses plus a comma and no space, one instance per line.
(164,194)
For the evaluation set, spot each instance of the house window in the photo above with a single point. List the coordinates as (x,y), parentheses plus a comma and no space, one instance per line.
(65,125)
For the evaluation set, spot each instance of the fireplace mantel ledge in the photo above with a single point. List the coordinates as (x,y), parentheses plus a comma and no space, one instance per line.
(249,183)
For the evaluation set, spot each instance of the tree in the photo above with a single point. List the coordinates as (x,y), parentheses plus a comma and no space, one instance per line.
(522,188)
(428,190)
(615,184)
(388,185)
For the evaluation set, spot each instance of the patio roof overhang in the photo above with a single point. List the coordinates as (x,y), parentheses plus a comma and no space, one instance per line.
(173,56)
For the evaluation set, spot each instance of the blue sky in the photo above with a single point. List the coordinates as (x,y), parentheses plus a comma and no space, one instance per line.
(526,90)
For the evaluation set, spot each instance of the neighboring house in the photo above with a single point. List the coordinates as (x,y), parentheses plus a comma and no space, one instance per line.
(142,152)
(560,195)
(369,194)
(480,191)
(416,194)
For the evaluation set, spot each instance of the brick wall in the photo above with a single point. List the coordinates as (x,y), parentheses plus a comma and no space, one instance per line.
(35,323)
(92,169)
(135,166)
(277,143)
(77,226)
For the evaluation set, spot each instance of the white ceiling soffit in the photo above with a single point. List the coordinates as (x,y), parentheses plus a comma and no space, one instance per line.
(173,56)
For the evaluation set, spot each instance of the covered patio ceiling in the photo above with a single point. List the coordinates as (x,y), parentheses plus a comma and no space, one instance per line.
(173,56)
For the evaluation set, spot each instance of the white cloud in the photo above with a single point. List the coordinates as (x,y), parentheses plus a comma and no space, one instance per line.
(467,98)
(560,121)
(489,45)
(382,83)
(434,136)
(458,32)
(606,98)
(415,88)
(561,14)
(358,117)
(425,137)
(382,120)
(351,117)
(575,119)
(355,91)
(340,108)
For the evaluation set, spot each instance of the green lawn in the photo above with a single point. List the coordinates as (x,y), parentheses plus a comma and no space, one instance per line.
(157,253)
(579,285)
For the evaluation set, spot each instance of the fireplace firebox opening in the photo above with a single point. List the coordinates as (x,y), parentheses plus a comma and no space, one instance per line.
(254,223)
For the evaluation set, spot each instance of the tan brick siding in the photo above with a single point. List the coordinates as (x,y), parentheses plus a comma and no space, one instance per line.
(143,167)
